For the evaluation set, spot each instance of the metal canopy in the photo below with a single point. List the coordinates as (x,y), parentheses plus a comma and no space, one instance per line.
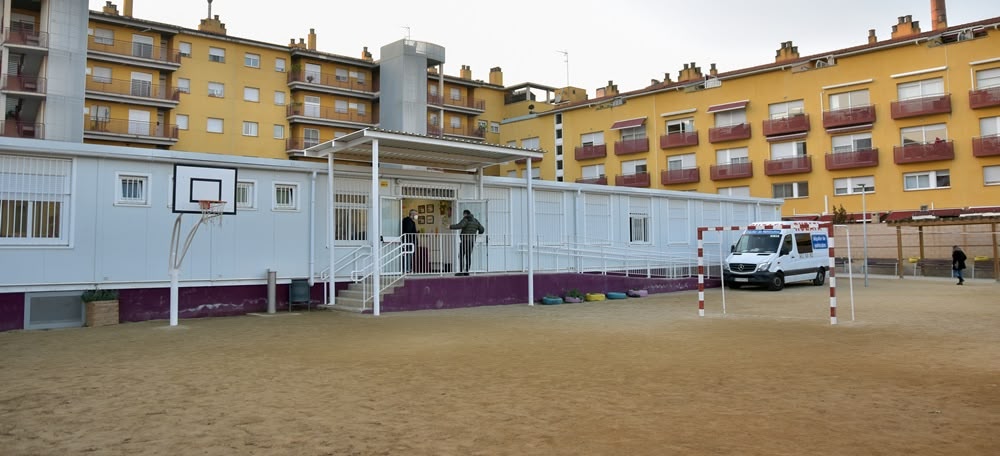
(418,150)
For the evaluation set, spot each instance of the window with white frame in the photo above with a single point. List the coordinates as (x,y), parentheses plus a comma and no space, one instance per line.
(927,180)
(592,139)
(279,65)
(314,72)
(536,172)
(286,197)
(185,49)
(213,125)
(991,175)
(99,114)
(216,90)
(494,127)
(182,121)
(854,185)
(638,220)
(732,156)
(340,106)
(743,190)
(920,89)
(530,143)
(549,209)
(677,126)
(358,107)
(141,84)
(101,75)
(788,190)
(359,77)
(341,75)
(279,98)
(455,122)
(35,197)
(987,79)
(251,60)
(246,194)
(104,36)
(633,133)
(455,94)
(592,171)
(216,55)
(133,189)
(924,134)
(730,118)
(251,94)
(278,132)
(853,99)
(312,106)
(631,167)
(249,128)
(989,126)
(310,136)
(852,143)
(789,149)
(684,161)
(786,109)
(183,85)
(142,46)
(351,210)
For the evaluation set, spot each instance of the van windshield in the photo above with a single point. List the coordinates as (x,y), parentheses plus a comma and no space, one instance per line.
(758,243)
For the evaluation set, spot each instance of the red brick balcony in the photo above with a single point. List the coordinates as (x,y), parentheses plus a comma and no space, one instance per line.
(792,124)
(632,180)
(14,129)
(924,152)
(680,139)
(855,159)
(731,171)
(849,116)
(131,128)
(132,49)
(680,176)
(468,103)
(791,165)
(25,37)
(21,83)
(587,152)
(986,146)
(632,146)
(603,180)
(133,88)
(984,98)
(938,104)
(730,133)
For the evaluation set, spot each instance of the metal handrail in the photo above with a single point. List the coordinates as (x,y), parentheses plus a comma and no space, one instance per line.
(390,254)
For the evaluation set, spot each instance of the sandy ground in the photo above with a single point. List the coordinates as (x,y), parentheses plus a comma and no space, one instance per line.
(918,373)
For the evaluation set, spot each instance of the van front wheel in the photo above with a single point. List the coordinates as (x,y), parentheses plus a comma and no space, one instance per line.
(820,277)
(777,282)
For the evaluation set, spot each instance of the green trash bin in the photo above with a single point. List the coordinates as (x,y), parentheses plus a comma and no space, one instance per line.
(298,293)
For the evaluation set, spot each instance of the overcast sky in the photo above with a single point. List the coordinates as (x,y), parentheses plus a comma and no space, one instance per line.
(627,41)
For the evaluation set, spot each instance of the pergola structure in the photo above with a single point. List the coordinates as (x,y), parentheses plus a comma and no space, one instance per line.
(971,218)
(376,147)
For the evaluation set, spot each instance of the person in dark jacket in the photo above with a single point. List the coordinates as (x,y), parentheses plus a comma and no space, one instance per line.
(958,263)
(469,227)
(410,235)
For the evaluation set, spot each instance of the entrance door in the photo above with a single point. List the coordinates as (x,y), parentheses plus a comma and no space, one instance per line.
(478,208)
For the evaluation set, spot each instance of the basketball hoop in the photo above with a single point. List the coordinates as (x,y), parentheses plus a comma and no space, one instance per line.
(211,211)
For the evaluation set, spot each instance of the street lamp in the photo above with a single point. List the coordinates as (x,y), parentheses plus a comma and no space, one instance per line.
(864,227)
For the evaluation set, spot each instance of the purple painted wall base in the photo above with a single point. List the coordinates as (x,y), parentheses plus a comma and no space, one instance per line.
(11,311)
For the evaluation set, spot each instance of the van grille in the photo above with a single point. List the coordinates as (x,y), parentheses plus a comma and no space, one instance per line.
(742,267)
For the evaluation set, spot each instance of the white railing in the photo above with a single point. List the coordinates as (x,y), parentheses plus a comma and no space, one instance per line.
(359,254)
(392,260)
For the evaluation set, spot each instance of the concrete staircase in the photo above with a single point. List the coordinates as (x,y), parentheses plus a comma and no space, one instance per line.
(352,298)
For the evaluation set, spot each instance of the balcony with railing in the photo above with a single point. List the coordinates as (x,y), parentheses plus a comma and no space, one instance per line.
(731,171)
(861,158)
(133,88)
(471,131)
(592,151)
(632,146)
(301,143)
(797,123)
(984,98)
(632,180)
(15,129)
(729,133)
(937,104)
(19,36)
(924,152)
(21,83)
(790,165)
(680,176)
(858,115)
(130,128)
(679,139)
(986,146)
(133,50)
(475,104)
(601,180)
(331,113)
(331,80)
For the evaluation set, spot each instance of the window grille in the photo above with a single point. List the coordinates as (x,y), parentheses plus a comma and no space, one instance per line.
(286,197)
(430,192)
(34,200)
(132,189)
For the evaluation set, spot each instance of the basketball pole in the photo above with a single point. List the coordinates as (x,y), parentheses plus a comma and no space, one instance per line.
(176,259)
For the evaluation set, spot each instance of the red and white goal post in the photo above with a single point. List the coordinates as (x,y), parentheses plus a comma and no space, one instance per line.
(804,226)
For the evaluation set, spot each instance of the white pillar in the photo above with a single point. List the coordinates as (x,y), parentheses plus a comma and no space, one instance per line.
(531,237)
(374,225)
(331,226)
(174,273)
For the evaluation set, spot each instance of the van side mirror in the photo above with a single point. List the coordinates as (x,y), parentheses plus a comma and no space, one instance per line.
(732,248)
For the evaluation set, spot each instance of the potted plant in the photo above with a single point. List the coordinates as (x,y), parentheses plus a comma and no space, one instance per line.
(101,307)
(550,299)
(573,296)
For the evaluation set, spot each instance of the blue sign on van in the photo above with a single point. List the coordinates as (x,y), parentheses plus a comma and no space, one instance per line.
(819,241)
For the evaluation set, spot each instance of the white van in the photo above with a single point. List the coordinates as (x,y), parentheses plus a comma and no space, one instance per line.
(776,256)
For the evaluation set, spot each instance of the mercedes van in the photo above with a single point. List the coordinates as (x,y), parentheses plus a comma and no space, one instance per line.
(771,256)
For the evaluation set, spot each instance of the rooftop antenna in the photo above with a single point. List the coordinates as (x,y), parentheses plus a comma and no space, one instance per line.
(566,60)
(407,31)
(209,9)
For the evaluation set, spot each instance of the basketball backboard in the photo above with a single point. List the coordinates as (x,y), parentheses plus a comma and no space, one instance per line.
(193,183)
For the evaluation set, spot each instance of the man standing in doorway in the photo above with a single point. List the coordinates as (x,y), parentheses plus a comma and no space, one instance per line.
(410,236)
(469,227)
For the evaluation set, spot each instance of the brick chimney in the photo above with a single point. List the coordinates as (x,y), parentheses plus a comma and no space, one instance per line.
(127,10)
(212,25)
(496,76)
(712,71)
(666,78)
(109,8)
(905,27)
(690,72)
(465,72)
(786,52)
(939,17)
(610,90)
(312,39)
(366,56)
(872,39)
